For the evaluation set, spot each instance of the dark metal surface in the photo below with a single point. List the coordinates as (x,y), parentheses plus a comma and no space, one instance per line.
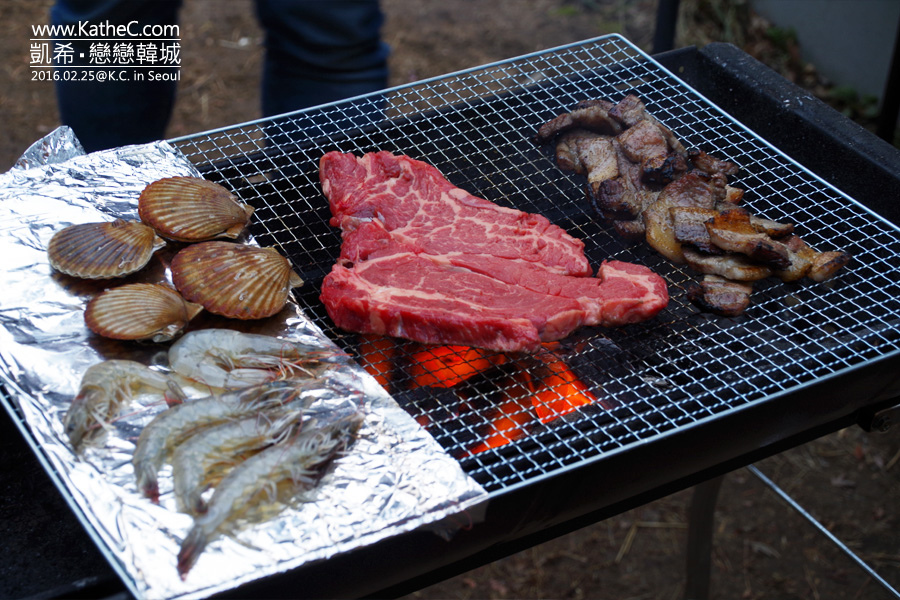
(701,527)
(836,149)
(564,478)
(890,97)
(666,24)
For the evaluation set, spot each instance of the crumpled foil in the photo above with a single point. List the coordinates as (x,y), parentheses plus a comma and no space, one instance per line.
(393,479)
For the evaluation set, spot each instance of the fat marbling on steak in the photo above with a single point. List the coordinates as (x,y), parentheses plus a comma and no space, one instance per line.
(425,260)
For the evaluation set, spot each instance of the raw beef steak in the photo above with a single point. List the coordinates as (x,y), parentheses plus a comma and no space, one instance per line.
(427,261)
(417,204)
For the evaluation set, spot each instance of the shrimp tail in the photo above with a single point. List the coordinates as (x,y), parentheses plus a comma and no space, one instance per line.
(174,394)
(199,506)
(190,550)
(147,482)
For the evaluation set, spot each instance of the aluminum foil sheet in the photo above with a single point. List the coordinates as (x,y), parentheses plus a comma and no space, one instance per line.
(394,478)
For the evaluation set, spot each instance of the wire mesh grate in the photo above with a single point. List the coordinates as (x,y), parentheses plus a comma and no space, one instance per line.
(477,128)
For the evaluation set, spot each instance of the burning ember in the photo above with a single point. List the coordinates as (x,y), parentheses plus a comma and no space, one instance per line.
(534,389)
(446,366)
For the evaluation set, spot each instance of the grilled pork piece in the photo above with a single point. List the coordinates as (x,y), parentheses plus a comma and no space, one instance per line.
(806,262)
(592,115)
(710,164)
(630,110)
(624,196)
(689,227)
(589,154)
(730,266)
(771,228)
(695,189)
(645,144)
(733,194)
(721,296)
(732,231)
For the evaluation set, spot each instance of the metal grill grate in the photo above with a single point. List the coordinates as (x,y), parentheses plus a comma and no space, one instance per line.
(477,128)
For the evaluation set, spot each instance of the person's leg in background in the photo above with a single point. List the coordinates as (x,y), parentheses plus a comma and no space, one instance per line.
(106,114)
(320,51)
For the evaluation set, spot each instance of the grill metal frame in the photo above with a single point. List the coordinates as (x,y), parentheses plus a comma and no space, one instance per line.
(679,371)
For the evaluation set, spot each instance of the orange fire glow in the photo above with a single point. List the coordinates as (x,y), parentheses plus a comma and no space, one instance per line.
(543,389)
(447,366)
(377,352)
(510,420)
(560,391)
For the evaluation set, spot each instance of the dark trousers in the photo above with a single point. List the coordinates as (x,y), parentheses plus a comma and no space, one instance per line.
(317,51)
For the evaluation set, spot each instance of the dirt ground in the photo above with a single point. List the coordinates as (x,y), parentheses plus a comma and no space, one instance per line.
(849,480)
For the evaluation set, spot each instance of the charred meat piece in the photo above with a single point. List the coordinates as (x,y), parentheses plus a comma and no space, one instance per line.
(630,110)
(804,261)
(827,264)
(672,168)
(614,186)
(772,229)
(580,150)
(614,182)
(645,145)
(630,231)
(694,189)
(736,267)
(710,164)
(721,296)
(592,115)
(589,154)
(689,226)
(690,223)
(732,231)
(625,196)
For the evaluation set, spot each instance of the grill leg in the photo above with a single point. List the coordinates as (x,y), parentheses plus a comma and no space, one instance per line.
(699,543)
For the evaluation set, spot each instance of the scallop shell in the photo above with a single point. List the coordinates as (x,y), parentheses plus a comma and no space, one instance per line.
(192,209)
(103,250)
(234,280)
(139,311)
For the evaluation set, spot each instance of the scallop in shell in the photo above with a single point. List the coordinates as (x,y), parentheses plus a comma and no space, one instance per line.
(192,209)
(234,280)
(103,250)
(139,311)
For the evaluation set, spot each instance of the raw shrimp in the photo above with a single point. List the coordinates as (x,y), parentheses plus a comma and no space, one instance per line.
(297,463)
(172,426)
(224,358)
(105,388)
(199,460)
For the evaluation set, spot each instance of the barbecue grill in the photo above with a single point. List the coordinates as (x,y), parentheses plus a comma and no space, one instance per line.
(679,398)
(681,368)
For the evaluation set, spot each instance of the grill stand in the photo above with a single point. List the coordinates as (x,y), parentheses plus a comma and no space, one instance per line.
(824,531)
(701,520)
